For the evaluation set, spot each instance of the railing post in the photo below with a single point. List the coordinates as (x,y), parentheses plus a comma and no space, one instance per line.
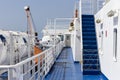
(9,74)
(46,63)
(11,49)
(18,74)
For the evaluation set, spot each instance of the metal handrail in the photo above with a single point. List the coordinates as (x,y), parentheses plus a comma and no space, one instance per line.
(29,70)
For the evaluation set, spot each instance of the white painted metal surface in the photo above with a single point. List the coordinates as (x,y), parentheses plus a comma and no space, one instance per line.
(76,41)
(13,47)
(109,60)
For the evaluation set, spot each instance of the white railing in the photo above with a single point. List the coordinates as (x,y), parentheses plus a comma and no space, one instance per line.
(81,41)
(33,68)
(59,23)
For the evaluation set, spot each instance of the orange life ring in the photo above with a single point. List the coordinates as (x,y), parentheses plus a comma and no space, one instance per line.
(37,50)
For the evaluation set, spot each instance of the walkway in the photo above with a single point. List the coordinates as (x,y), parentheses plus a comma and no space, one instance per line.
(64,68)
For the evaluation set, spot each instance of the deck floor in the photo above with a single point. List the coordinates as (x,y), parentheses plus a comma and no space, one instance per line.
(94,77)
(65,69)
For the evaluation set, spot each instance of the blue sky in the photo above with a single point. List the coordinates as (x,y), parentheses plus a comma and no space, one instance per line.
(13,17)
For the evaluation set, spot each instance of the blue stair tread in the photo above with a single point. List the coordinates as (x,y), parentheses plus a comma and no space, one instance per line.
(93,72)
(88,23)
(94,77)
(88,32)
(91,67)
(86,45)
(87,26)
(88,29)
(89,36)
(91,64)
(89,43)
(91,59)
(87,16)
(89,47)
(90,53)
(90,56)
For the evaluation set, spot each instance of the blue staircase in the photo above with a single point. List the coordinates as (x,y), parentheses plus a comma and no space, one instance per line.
(91,64)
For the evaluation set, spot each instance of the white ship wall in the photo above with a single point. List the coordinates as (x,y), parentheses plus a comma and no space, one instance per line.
(110,66)
(76,42)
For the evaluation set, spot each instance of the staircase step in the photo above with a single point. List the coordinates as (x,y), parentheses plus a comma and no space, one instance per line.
(89,47)
(88,16)
(90,56)
(90,51)
(88,34)
(89,42)
(91,66)
(88,26)
(89,38)
(90,61)
(87,19)
(88,30)
(91,72)
(87,23)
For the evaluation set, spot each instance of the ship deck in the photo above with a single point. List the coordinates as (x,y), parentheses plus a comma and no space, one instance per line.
(66,69)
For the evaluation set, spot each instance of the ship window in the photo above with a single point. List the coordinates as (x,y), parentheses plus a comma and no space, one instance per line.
(62,37)
(2,38)
(68,37)
(114,44)
(115,21)
(101,26)
(101,41)
(24,40)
